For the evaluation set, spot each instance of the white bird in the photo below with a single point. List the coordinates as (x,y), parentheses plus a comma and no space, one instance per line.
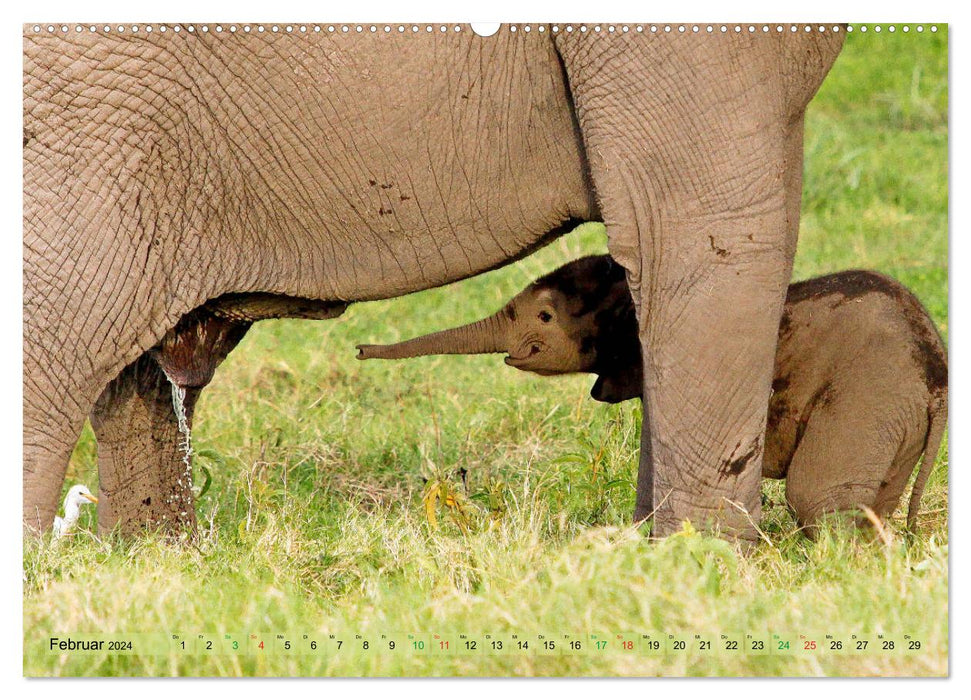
(76,497)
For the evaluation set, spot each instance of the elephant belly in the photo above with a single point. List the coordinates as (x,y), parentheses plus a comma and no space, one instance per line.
(386,165)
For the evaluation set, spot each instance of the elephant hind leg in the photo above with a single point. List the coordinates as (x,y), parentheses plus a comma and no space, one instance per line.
(895,483)
(844,462)
(145,477)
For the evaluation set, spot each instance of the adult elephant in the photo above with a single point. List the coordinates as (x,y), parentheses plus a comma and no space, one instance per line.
(179,185)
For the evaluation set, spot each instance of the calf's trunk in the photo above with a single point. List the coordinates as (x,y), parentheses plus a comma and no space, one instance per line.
(484,336)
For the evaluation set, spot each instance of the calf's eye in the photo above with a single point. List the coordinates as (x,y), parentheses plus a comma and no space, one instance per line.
(545,316)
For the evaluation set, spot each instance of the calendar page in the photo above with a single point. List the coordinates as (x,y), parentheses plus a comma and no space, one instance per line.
(525,349)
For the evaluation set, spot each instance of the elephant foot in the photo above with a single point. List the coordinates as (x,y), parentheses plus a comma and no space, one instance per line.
(144,463)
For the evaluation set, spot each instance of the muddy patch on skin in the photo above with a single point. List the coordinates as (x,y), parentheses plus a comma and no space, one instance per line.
(928,354)
(929,351)
(720,252)
(783,432)
(823,397)
(846,286)
(785,324)
(735,465)
(779,409)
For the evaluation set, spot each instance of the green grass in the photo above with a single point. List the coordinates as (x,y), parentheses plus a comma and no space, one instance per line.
(315,520)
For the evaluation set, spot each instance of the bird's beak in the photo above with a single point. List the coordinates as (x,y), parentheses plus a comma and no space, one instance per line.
(91,498)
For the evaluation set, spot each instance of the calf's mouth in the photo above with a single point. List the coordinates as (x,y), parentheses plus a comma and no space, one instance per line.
(519,360)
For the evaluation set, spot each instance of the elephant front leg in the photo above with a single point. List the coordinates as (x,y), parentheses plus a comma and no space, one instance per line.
(45,464)
(54,414)
(144,472)
(708,343)
(709,332)
(694,147)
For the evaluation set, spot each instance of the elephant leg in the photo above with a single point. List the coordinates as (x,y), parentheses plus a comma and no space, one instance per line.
(846,460)
(838,466)
(708,346)
(53,418)
(144,476)
(45,465)
(697,169)
(912,445)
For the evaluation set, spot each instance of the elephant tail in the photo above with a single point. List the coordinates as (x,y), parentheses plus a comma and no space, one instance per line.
(937,412)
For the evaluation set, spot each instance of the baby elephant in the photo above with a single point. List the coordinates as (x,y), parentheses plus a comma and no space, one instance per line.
(859,387)
(578,318)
